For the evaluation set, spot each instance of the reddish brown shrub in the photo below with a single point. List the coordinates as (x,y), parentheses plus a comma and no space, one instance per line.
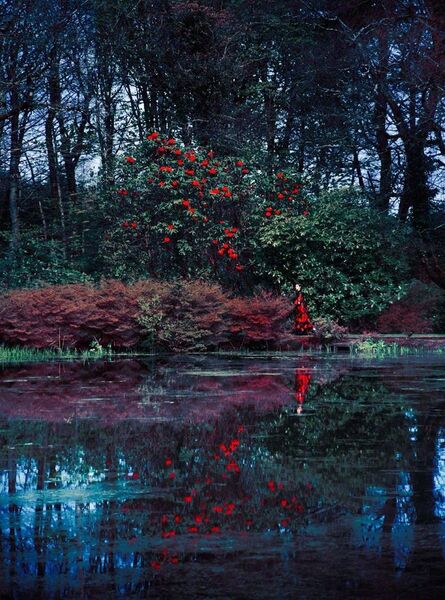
(180,316)
(261,320)
(70,316)
(413,313)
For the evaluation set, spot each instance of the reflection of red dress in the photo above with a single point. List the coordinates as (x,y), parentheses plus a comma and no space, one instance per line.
(302,321)
(302,382)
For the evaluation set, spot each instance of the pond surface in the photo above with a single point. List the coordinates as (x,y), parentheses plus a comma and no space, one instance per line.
(195,477)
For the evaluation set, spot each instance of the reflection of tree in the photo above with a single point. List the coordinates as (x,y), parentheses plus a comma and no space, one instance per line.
(237,471)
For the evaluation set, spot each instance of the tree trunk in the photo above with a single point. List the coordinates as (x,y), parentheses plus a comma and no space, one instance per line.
(416,193)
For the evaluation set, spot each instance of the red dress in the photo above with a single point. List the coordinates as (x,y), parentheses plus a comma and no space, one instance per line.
(302,321)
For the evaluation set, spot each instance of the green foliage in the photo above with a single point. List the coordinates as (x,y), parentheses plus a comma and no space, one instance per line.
(185,316)
(39,262)
(327,329)
(348,257)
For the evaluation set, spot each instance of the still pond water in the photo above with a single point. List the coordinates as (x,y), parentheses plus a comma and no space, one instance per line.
(212,477)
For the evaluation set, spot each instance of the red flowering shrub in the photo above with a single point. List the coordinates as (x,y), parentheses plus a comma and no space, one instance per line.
(185,211)
(176,316)
(414,313)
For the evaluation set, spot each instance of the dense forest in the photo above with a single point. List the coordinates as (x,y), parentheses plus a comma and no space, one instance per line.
(246,142)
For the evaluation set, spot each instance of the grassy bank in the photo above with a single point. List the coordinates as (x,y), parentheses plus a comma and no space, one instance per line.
(18,354)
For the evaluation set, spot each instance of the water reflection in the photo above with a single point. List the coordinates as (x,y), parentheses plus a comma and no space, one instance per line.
(208,477)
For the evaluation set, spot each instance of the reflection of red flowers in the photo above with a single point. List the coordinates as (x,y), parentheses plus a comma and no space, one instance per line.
(192,529)
(155,565)
(168,462)
(172,475)
(272,485)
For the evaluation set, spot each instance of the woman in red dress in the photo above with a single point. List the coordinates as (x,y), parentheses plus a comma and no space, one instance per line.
(303,323)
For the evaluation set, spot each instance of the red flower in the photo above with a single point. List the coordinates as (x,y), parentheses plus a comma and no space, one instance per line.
(174,560)
(125,224)
(218,509)
(177,151)
(180,163)
(122,192)
(233,466)
(244,171)
(280,196)
(239,163)
(228,195)
(305,213)
(214,192)
(205,219)
(178,519)
(186,203)
(192,529)
(221,251)
(166,168)
(210,154)
(130,159)
(161,184)
(153,135)
(196,183)
(212,171)
(215,529)
(239,267)
(204,163)
(164,520)
(172,475)
(188,499)
(189,172)
(155,565)
(171,142)
(268,214)
(215,242)
(272,485)
(174,184)
(171,227)
(133,225)
(280,175)
(198,519)
(168,462)
(278,212)
(191,210)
